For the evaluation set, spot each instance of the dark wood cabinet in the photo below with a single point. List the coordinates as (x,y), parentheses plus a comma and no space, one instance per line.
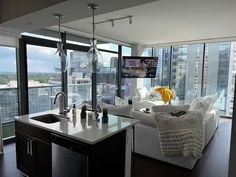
(41,153)
(25,161)
(33,154)
(43,162)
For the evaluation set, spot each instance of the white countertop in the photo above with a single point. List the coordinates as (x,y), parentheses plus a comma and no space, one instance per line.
(86,130)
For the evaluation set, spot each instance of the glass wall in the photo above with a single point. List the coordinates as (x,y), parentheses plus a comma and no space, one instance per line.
(107,46)
(125,82)
(218,72)
(8,90)
(163,67)
(194,76)
(79,78)
(107,78)
(186,72)
(43,81)
(147,82)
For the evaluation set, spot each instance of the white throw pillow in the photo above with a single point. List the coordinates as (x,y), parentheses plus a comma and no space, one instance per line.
(170,108)
(207,102)
(142,93)
(119,101)
(196,103)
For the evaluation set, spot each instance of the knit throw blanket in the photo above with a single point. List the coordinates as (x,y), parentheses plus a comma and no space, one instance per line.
(180,135)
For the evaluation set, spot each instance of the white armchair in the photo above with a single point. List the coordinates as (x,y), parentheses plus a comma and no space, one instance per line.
(141,100)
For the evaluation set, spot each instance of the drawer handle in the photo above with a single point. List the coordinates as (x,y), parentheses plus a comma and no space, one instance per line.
(28,146)
(31,147)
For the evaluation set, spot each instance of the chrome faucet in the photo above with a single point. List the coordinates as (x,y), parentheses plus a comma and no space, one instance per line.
(62,103)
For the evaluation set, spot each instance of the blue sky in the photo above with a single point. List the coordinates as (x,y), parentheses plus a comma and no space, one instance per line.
(7,59)
(40,59)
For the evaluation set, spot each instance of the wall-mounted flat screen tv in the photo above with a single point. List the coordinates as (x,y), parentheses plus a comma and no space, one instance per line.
(139,67)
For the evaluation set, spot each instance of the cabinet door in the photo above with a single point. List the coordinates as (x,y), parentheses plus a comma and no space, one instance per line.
(43,164)
(25,160)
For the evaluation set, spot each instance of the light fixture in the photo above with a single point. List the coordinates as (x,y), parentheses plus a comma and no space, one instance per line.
(94,58)
(60,58)
(130,20)
(112,20)
(112,23)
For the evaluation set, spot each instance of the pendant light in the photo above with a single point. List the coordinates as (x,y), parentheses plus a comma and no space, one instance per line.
(60,58)
(94,59)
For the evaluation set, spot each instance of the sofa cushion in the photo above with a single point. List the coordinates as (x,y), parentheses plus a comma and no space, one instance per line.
(170,108)
(145,119)
(119,101)
(142,93)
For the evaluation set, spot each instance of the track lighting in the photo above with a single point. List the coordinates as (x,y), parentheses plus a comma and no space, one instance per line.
(112,21)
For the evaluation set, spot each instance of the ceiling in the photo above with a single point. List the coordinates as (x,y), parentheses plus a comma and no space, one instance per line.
(154,22)
(165,21)
(33,15)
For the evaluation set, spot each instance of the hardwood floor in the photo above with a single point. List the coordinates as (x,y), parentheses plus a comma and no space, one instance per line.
(214,162)
(8,162)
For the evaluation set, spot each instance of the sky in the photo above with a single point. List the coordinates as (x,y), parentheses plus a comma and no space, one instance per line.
(42,59)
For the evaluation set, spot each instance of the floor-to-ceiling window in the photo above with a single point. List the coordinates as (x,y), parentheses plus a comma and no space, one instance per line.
(79,78)
(107,78)
(218,72)
(147,82)
(163,67)
(125,82)
(197,70)
(43,80)
(186,72)
(8,90)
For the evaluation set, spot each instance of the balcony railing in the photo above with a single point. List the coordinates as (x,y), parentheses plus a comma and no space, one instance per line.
(40,99)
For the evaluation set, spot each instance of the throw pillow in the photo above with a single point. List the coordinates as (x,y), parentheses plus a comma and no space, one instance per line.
(207,102)
(210,100)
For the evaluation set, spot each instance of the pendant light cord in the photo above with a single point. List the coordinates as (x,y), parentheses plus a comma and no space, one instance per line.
(59,24)
(93,24)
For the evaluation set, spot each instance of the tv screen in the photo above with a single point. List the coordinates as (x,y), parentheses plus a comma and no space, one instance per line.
(139,67)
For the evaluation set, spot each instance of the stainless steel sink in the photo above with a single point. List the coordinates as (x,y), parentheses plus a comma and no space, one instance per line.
(47,118)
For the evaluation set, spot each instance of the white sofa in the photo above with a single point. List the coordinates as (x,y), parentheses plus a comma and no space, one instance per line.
(147,142)
(141,100)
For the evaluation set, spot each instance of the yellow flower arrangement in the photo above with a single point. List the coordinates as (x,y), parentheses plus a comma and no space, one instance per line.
(166,93)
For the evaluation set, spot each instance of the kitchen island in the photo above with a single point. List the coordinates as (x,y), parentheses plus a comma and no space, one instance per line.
(49,144)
